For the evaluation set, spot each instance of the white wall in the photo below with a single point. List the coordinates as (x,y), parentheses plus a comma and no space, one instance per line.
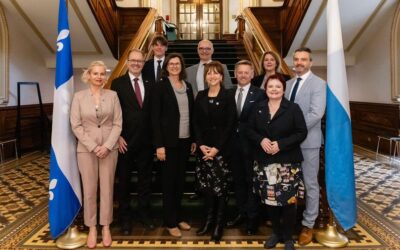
(369,79)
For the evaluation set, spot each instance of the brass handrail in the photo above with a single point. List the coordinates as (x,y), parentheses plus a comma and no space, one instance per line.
(138,42)
(262,41)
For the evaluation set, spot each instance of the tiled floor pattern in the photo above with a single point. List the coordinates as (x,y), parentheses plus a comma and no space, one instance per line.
(23,213)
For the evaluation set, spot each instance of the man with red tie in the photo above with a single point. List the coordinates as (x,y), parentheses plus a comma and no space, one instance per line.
(135,149)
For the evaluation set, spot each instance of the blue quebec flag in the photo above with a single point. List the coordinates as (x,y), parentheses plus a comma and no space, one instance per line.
(64,189)
(340,183)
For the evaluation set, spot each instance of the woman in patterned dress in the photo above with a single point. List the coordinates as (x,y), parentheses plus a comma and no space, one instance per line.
(277,127)
(214,115)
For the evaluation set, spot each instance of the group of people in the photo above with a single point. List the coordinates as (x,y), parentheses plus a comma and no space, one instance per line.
(266,131)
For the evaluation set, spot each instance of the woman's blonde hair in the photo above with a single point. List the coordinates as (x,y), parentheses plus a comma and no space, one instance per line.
(85,75)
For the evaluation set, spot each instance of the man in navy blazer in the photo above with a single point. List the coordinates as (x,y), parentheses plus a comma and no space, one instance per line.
(152,67)
(246,97)
(135,147)
(309,92)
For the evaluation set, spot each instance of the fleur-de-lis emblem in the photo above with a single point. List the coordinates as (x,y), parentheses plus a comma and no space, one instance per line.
(53,184)
(62,35)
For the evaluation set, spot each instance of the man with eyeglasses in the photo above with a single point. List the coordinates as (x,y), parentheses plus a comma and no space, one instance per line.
(135,148)
(195,73)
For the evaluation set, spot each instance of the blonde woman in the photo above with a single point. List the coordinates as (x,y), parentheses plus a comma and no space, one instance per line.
(96,121)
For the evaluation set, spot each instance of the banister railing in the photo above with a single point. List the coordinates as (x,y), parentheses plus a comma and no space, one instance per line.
(140,41)
(257,41)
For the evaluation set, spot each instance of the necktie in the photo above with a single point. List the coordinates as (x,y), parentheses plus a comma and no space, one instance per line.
(158,70)
(138,93)
(239,102)
(294,91)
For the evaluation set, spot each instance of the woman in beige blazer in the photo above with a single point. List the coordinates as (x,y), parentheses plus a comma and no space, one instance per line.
(96,121)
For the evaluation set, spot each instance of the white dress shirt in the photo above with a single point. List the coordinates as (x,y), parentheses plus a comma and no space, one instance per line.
(303,79)
(140,81)
(245,91)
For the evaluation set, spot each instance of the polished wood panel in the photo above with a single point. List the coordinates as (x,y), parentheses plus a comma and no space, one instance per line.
(282,23)
(30,128)
(370,120)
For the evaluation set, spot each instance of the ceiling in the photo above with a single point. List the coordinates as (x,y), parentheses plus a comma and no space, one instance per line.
(38,20)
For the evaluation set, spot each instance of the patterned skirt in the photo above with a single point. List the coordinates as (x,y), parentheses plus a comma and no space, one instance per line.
(278,184)
(211,176)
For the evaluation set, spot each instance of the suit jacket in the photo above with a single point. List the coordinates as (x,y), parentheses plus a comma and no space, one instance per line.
(191,74)
(311,98)
(287,127)
(215,129)
(93,128)
(136,126)
(258,80)
(165,114)
(148,70)
(254,96)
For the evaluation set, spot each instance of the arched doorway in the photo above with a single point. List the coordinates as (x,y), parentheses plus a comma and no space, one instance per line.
(199,19)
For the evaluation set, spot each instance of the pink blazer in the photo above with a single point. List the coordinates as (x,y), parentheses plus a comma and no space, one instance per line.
(93,128)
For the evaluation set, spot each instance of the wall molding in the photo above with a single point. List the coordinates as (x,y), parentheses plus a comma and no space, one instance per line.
(4,50)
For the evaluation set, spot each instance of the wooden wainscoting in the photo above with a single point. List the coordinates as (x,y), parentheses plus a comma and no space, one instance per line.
(30,128)
(371,120)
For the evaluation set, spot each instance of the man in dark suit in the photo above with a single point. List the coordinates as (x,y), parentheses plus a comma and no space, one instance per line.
(135,148)
(152,67)
(246,96)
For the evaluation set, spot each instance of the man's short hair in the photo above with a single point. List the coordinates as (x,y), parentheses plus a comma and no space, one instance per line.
(159,39)
(244,62)
(304,49)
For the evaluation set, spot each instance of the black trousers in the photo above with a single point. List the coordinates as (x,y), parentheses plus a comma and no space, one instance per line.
(242,170)
(142,161)
(173,178)
(283,220)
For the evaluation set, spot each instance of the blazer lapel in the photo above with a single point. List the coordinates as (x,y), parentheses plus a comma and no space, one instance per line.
(248,100)
(130,92)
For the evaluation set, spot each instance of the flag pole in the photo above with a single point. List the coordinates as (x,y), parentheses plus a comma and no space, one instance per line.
(329,236)
(71,239)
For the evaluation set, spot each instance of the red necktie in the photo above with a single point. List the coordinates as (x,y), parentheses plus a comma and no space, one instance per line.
(138,93)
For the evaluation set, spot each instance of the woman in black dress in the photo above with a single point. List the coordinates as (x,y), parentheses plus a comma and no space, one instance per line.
(277,127)
(214,115)
(270,64)
(172,136)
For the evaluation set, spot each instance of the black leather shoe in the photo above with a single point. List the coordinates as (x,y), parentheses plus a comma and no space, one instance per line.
(271,241)
(289,245)
(126,228)
(237,221)
(147,222)
(252,226)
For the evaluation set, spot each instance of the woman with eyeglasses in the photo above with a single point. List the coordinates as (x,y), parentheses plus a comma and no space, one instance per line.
(173,137)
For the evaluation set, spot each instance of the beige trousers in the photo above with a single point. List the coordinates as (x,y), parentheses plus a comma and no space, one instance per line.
(94,170)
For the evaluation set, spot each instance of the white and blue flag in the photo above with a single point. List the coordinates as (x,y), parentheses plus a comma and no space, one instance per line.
(64,189)
(339,165)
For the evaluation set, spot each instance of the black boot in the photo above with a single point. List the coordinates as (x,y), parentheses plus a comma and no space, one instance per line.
(219,227)
(209,205)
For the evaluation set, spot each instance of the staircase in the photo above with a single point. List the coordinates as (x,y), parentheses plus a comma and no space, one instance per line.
(226,51)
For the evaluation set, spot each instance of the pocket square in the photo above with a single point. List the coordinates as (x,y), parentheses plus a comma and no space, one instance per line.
(252,101)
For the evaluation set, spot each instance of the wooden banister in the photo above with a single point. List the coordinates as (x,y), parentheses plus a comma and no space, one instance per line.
(140,41)
(257,41)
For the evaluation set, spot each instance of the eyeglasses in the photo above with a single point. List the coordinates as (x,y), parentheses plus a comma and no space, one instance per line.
(135,61)
(204,48)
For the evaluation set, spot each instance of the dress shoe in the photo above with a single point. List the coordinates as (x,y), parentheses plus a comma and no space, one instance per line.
(175,232)
(289,245)
(147,222)
(106,236)
(91,240)
(252,226)
(271,241)
(237,221)
(305,236)
(184,226)
(126,228)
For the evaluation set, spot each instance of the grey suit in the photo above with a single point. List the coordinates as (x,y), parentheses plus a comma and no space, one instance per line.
(311,98)
(191,74)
